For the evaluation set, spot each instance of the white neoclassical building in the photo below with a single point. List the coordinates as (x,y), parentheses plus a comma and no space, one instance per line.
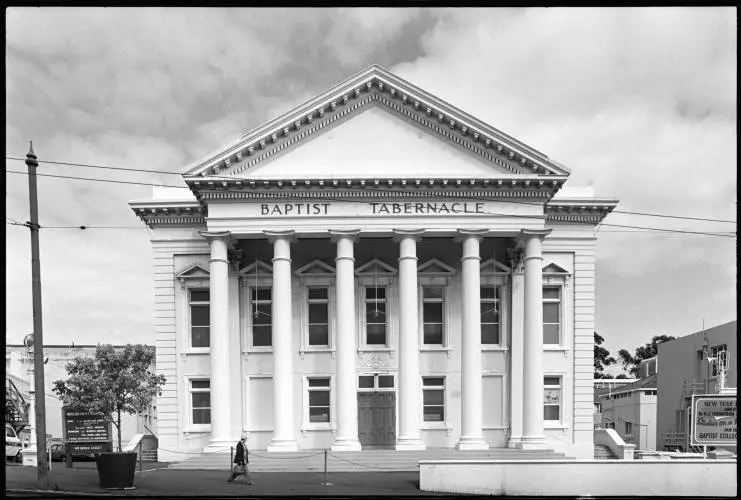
(375,268)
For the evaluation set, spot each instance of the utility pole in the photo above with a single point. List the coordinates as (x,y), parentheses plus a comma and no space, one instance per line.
(38,339)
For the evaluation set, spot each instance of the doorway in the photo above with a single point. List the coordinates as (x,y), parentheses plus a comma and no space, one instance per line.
(377,419)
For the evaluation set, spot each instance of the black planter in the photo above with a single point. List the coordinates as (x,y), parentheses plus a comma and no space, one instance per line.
(116,470)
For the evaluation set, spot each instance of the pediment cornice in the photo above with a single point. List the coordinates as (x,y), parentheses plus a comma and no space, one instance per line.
(578,211)
(376,86)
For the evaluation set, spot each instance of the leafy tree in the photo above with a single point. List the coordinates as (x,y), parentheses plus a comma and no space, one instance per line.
(113,382)
(602,358)
(632,362)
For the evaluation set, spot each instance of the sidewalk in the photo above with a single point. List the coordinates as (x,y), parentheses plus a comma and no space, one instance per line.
(82,481)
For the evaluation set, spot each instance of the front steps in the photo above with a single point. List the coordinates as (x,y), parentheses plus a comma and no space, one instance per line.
(357,461)
(603,452)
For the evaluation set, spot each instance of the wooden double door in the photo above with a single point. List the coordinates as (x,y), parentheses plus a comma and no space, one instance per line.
(377,419)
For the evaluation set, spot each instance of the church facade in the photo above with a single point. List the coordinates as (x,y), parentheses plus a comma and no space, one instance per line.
(375,269)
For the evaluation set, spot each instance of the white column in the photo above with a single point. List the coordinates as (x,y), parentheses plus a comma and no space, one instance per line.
(517,297)
(282,320)
(410,385)
(346,437)
(472,437)
(532,377)
(221,437)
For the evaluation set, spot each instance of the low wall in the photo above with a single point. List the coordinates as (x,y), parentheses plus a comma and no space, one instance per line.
(611,439)
(580,477)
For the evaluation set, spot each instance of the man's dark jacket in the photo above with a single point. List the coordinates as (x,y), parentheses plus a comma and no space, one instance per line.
(240,458)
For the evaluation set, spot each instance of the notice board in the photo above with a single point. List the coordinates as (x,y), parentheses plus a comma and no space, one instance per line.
(714,419)
(81,427)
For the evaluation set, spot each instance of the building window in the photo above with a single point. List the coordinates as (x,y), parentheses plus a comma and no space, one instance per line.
(552,396)
(551,315)
(261,308)
(433,399)
(200,401)
(490,307)
(200,319)
(318,298)
(433,307)
(376,322)
(376,381)
(628,428)
(719,353)
(318,399)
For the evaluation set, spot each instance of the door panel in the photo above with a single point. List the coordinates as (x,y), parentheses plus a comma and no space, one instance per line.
(377,419)
(365,418)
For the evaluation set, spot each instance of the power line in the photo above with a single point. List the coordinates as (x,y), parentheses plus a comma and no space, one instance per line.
(87,165)
(99,180)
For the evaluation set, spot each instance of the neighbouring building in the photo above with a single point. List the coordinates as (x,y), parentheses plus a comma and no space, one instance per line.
(375,268)
(705,362)
(18,360)
(630,409)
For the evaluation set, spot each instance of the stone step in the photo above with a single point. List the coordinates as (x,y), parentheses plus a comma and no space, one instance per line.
(603,452)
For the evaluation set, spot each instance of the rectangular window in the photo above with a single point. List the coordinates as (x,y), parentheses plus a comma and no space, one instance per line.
(433,399)
(433,302)
(318,316)
(200,318)
(318,399)
(200,401)
(375,315)
(551,315)
(552,395)
(261,305)
(715,352)
(490,307)
(628,428)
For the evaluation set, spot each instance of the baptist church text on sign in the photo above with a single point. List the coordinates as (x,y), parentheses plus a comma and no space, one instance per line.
(375,268)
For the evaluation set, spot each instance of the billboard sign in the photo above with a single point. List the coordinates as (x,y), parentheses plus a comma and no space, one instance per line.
(714,420)
(81,427)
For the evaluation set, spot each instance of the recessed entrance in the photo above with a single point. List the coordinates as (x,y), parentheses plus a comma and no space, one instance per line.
(377,419)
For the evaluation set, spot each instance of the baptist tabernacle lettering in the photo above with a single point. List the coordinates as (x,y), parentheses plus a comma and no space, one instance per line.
(409,208)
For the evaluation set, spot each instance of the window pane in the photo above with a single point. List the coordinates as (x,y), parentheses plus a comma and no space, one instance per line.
(433,312)
(199,315)
(489,334)
(489,312)
(319,398)
(200,336)
(199,295)
(318,382)
(375,312)
(372,292)
(432,292)
(433,397)
(262,314)
(550,313)
(433,334)
(434,414)
(551,413)
(262,335)
(550,334)
(318,414)
(489,292)
(551,396)
(365,382)
(319,313)
(551,381)
(375,334)
(318,293)
(202,416)
(433,381)
(551,292)
(200,384)
(261,293)
(201,399)
(318,335)
(385,381)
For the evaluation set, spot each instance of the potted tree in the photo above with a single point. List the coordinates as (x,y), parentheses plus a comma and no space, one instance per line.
(115,381)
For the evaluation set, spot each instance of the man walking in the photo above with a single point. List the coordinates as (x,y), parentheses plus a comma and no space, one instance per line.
(241,461)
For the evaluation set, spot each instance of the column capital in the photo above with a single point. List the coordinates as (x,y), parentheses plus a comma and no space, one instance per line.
(400,234)
(289,235)
(526,234)
(336,234)
(463,234)
(218,235)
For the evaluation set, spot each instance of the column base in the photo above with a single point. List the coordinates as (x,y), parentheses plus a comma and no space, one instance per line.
(533,443)
(409,444)
(515,442)
(346,444)
(282,446)
(471,443)
(220,445)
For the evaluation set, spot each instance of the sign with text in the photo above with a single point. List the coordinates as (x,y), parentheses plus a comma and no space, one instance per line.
(81,427)
(373,209)
(714,419)
(90,449)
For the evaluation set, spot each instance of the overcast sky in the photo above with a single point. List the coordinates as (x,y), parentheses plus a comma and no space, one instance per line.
(639,102)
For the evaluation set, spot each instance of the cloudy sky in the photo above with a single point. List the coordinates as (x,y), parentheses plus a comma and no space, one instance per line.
(640,103)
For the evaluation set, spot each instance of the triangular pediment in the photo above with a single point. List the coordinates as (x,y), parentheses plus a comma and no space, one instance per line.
(492,266)
(315,268)
(434,267)
(257,268)
(554,269)
(375,123)
(193,271)
(375,267)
